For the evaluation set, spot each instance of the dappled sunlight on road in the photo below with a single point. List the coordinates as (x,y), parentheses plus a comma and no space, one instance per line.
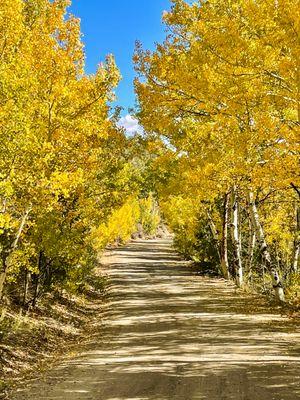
(171,334)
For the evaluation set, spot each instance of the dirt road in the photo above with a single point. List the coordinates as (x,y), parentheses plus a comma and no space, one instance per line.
(169,334)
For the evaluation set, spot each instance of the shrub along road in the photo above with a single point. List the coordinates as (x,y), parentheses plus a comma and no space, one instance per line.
(169,333)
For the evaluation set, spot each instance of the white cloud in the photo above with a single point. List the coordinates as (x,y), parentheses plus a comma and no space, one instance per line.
(130,124)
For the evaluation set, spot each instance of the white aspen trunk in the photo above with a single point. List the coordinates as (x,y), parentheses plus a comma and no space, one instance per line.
(2,279)
(238,267)
(20,230)
(6,257)
(277,284)
(297,228)
(26,286)
(251,246)
(296,258)
(214,234)
(224,246)
(297,241)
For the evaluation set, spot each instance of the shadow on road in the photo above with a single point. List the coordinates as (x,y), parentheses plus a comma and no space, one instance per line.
(170,334)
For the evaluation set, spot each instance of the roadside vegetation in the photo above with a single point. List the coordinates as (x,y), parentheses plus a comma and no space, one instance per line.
(219,100)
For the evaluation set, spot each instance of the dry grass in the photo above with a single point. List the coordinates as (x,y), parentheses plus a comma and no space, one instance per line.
(31,340)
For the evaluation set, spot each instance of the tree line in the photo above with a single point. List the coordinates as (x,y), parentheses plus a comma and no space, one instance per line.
(219,100)
(68,183)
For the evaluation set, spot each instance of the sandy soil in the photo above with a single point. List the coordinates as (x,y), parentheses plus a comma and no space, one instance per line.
(170,334)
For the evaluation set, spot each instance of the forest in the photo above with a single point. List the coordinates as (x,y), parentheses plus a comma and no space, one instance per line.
(219,100)
(217,161)
(214,165)
(69,184)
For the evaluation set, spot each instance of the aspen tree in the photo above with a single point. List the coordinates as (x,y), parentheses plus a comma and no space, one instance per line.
(223,91)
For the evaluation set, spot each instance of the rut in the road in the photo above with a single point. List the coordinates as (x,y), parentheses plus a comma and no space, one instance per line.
(170,334)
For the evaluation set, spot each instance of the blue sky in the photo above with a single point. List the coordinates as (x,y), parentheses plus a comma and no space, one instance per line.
(113,26)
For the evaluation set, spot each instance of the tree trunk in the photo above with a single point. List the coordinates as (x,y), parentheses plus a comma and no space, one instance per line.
(3,274)
(36,290)
(296,254)
(7,254)
(251,246)
(296,257)
(266,256)
(237,260)
(296,241)
(224,244)
(214,234)
(37,279)
(26,286)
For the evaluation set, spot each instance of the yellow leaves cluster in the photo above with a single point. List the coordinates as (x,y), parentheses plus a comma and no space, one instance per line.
(61,155)
(224,63)
(64,183)
(222,94)
(149,215)
(120,225)
(277,227)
